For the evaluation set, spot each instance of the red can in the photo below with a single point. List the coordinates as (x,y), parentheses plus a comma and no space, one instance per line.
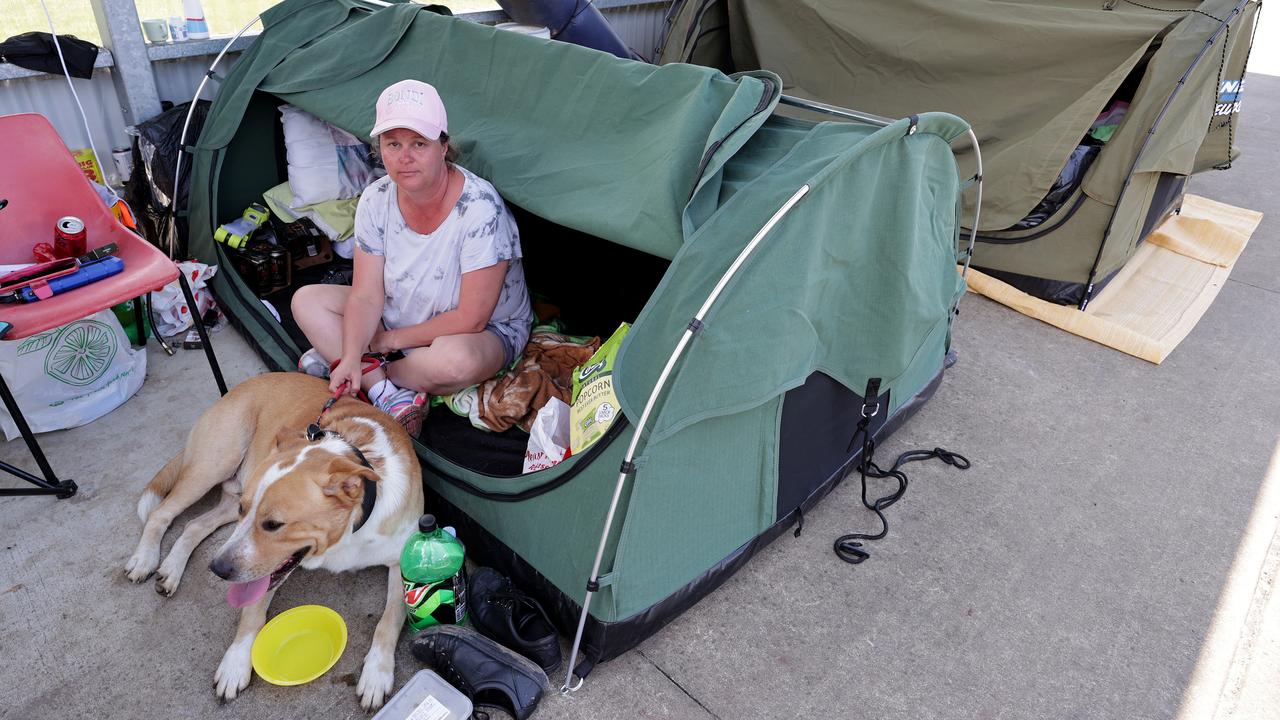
(69,237)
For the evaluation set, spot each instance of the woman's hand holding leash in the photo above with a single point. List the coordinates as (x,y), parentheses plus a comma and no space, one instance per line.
(345,378)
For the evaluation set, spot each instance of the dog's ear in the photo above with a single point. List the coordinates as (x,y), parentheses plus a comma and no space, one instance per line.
(345,479)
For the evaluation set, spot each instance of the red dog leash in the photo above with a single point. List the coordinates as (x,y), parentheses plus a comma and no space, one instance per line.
(370,362)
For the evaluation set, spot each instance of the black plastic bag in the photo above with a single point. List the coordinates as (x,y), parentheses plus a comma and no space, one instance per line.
(149,189)
(158,140)
(1063,188)
(36,51)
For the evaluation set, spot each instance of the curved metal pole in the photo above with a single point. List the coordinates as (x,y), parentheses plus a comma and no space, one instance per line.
(182,139)
(627,468)
(977,205)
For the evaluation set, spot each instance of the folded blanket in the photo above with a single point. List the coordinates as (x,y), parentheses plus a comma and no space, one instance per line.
(544,371)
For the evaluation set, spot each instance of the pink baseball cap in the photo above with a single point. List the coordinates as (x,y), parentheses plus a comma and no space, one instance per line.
(411,104)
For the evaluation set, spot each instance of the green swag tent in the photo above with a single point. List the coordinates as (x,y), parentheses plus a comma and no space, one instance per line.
(636,188)
(1032,78)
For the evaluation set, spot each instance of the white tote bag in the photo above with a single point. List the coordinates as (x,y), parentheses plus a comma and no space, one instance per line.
(71,375)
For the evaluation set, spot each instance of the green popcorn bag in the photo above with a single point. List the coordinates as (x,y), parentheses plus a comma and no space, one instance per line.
(595,404)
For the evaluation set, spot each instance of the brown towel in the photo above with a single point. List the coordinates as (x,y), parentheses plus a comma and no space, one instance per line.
(545,370)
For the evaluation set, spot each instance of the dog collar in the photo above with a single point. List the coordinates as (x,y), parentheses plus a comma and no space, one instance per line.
(314,433)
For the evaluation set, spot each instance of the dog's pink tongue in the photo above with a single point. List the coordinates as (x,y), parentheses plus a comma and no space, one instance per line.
(241,594)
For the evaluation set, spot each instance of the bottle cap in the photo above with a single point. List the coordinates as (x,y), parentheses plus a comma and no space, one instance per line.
(427,523)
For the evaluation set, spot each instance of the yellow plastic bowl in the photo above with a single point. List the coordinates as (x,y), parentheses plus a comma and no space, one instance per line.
(299,645)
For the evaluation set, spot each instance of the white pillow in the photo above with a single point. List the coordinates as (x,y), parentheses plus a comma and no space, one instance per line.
(325,162)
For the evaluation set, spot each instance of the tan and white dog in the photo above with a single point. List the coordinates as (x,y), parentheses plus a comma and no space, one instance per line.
(346,500)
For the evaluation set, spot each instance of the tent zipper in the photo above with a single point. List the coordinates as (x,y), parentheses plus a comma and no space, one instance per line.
(706,157)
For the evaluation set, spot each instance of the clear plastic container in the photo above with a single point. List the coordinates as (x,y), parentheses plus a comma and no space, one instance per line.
(426,697)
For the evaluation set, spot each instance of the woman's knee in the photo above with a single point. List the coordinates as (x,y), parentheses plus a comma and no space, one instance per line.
(311,302)
(303,294)
(303,301)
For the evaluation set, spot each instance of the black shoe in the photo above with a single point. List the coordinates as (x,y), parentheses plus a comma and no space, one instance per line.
(502,612)
(485,671)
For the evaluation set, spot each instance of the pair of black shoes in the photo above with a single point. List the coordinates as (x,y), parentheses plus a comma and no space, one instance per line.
(488,672)
(502,612)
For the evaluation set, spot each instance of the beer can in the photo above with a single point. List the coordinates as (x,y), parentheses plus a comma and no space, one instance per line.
(279,266)
(255,269)
(69,237)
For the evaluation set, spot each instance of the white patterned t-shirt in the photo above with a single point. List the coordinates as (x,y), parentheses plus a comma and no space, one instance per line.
(422,274)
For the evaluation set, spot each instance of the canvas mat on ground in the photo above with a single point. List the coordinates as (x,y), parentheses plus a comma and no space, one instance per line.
(1161,293)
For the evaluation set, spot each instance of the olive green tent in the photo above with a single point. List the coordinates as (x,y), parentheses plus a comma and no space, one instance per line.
(1032,78)
(638,190)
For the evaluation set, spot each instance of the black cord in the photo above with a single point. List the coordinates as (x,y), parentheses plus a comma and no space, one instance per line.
(579,7)
(1231,118)
(847,547)
(1174,10)
(1226,165)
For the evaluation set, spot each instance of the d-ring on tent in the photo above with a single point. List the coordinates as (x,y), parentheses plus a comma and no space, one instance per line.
(770,267)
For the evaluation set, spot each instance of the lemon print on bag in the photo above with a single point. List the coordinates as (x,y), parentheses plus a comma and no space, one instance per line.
(81,353)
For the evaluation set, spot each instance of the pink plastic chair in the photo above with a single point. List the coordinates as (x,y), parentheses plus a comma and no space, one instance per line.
(40,182)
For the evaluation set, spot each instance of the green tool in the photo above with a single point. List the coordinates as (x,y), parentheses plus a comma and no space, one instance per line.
(236,233)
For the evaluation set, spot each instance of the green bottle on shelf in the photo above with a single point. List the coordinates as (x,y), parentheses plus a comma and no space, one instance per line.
(435,579)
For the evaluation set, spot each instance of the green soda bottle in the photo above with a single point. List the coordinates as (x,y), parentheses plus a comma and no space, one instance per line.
(435,578)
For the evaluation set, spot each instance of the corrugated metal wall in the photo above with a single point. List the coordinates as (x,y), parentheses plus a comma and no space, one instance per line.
(639,26)
(49,96)
(177,80)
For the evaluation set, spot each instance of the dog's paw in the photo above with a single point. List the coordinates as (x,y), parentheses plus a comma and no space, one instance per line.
(166,585)
(142,565)
(376,680)
(234,672)
(167,579)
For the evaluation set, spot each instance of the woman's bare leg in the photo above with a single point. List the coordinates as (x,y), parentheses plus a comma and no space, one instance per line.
(449,364)
(318,310)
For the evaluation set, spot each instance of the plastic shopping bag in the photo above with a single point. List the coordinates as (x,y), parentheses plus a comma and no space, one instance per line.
(169,307)
(549,436)
(71,375)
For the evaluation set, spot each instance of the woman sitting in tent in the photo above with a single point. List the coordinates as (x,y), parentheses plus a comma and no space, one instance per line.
(438,272)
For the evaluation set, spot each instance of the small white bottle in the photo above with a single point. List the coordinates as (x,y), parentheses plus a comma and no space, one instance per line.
(197,28)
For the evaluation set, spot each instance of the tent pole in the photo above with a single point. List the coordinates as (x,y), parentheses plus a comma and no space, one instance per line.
(821,107)
(695,326)
(182,139)
(1151,131)
(977,206)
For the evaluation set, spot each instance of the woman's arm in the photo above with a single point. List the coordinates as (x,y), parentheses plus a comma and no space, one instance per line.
(477,298)
(361,316)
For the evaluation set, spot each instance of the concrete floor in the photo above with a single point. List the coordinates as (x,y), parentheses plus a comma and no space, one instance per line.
(1074,572)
